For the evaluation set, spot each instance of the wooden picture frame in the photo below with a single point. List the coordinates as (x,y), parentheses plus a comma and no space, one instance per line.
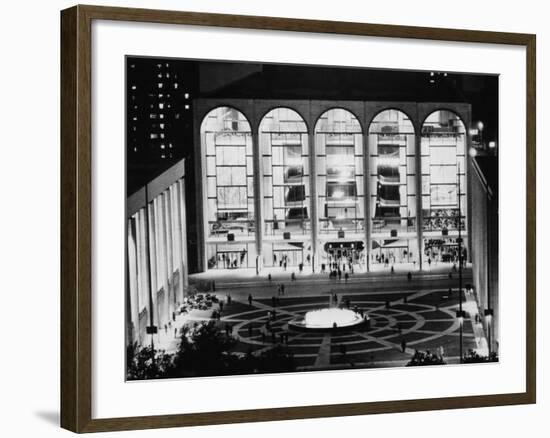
(76,217)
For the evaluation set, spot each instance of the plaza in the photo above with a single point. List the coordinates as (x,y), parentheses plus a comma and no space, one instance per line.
(404,316)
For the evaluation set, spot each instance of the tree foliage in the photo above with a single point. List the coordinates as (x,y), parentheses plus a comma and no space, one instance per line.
(205,351)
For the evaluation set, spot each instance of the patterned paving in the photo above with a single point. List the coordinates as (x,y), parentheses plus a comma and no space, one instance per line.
(423,320)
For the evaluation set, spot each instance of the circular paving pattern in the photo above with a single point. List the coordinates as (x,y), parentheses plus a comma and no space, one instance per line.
(406,322)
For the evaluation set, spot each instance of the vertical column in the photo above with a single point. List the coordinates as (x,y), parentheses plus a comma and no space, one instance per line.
(132,283)
(258,196)
(148,258)
(169,250)
(161,260)
(177,241)
(367,198)
(467,191)
(200,139)
(418,182)
(313,196)
(164,254)
(183,227)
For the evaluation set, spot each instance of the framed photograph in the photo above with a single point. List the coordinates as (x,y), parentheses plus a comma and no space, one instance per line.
(269,218)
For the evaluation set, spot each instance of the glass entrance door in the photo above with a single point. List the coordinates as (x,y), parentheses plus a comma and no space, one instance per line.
(292,257)
(231,259)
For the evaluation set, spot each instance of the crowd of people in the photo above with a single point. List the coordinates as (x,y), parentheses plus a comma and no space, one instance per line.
(198,301)
(421,358)
(474,357)
(443,219)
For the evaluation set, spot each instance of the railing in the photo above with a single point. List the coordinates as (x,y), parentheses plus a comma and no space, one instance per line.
(275,227)
(238,227)
(333,225)
(401,224)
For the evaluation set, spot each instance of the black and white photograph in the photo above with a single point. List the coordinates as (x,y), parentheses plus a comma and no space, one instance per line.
(287,218)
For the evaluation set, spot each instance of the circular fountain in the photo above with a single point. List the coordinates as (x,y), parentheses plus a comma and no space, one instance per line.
(328,319)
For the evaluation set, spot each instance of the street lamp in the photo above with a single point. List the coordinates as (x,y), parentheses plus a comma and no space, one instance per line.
(480,127)
(489,320)
(460,315)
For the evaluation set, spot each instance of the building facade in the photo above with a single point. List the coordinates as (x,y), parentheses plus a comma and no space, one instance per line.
(157,262)
(308,182)
(485,247)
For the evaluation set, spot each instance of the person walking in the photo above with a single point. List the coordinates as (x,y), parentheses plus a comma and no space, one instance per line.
(403,345)
(249,300)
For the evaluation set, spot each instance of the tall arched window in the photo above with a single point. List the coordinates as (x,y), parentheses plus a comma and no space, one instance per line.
(286,187)
(443,168)
(339,158)
(392,187)
(443,182)
(226,143)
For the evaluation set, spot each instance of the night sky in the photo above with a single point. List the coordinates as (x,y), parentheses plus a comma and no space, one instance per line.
(202,79)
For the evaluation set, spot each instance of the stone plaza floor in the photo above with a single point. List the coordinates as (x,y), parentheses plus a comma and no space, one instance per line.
(418,314)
